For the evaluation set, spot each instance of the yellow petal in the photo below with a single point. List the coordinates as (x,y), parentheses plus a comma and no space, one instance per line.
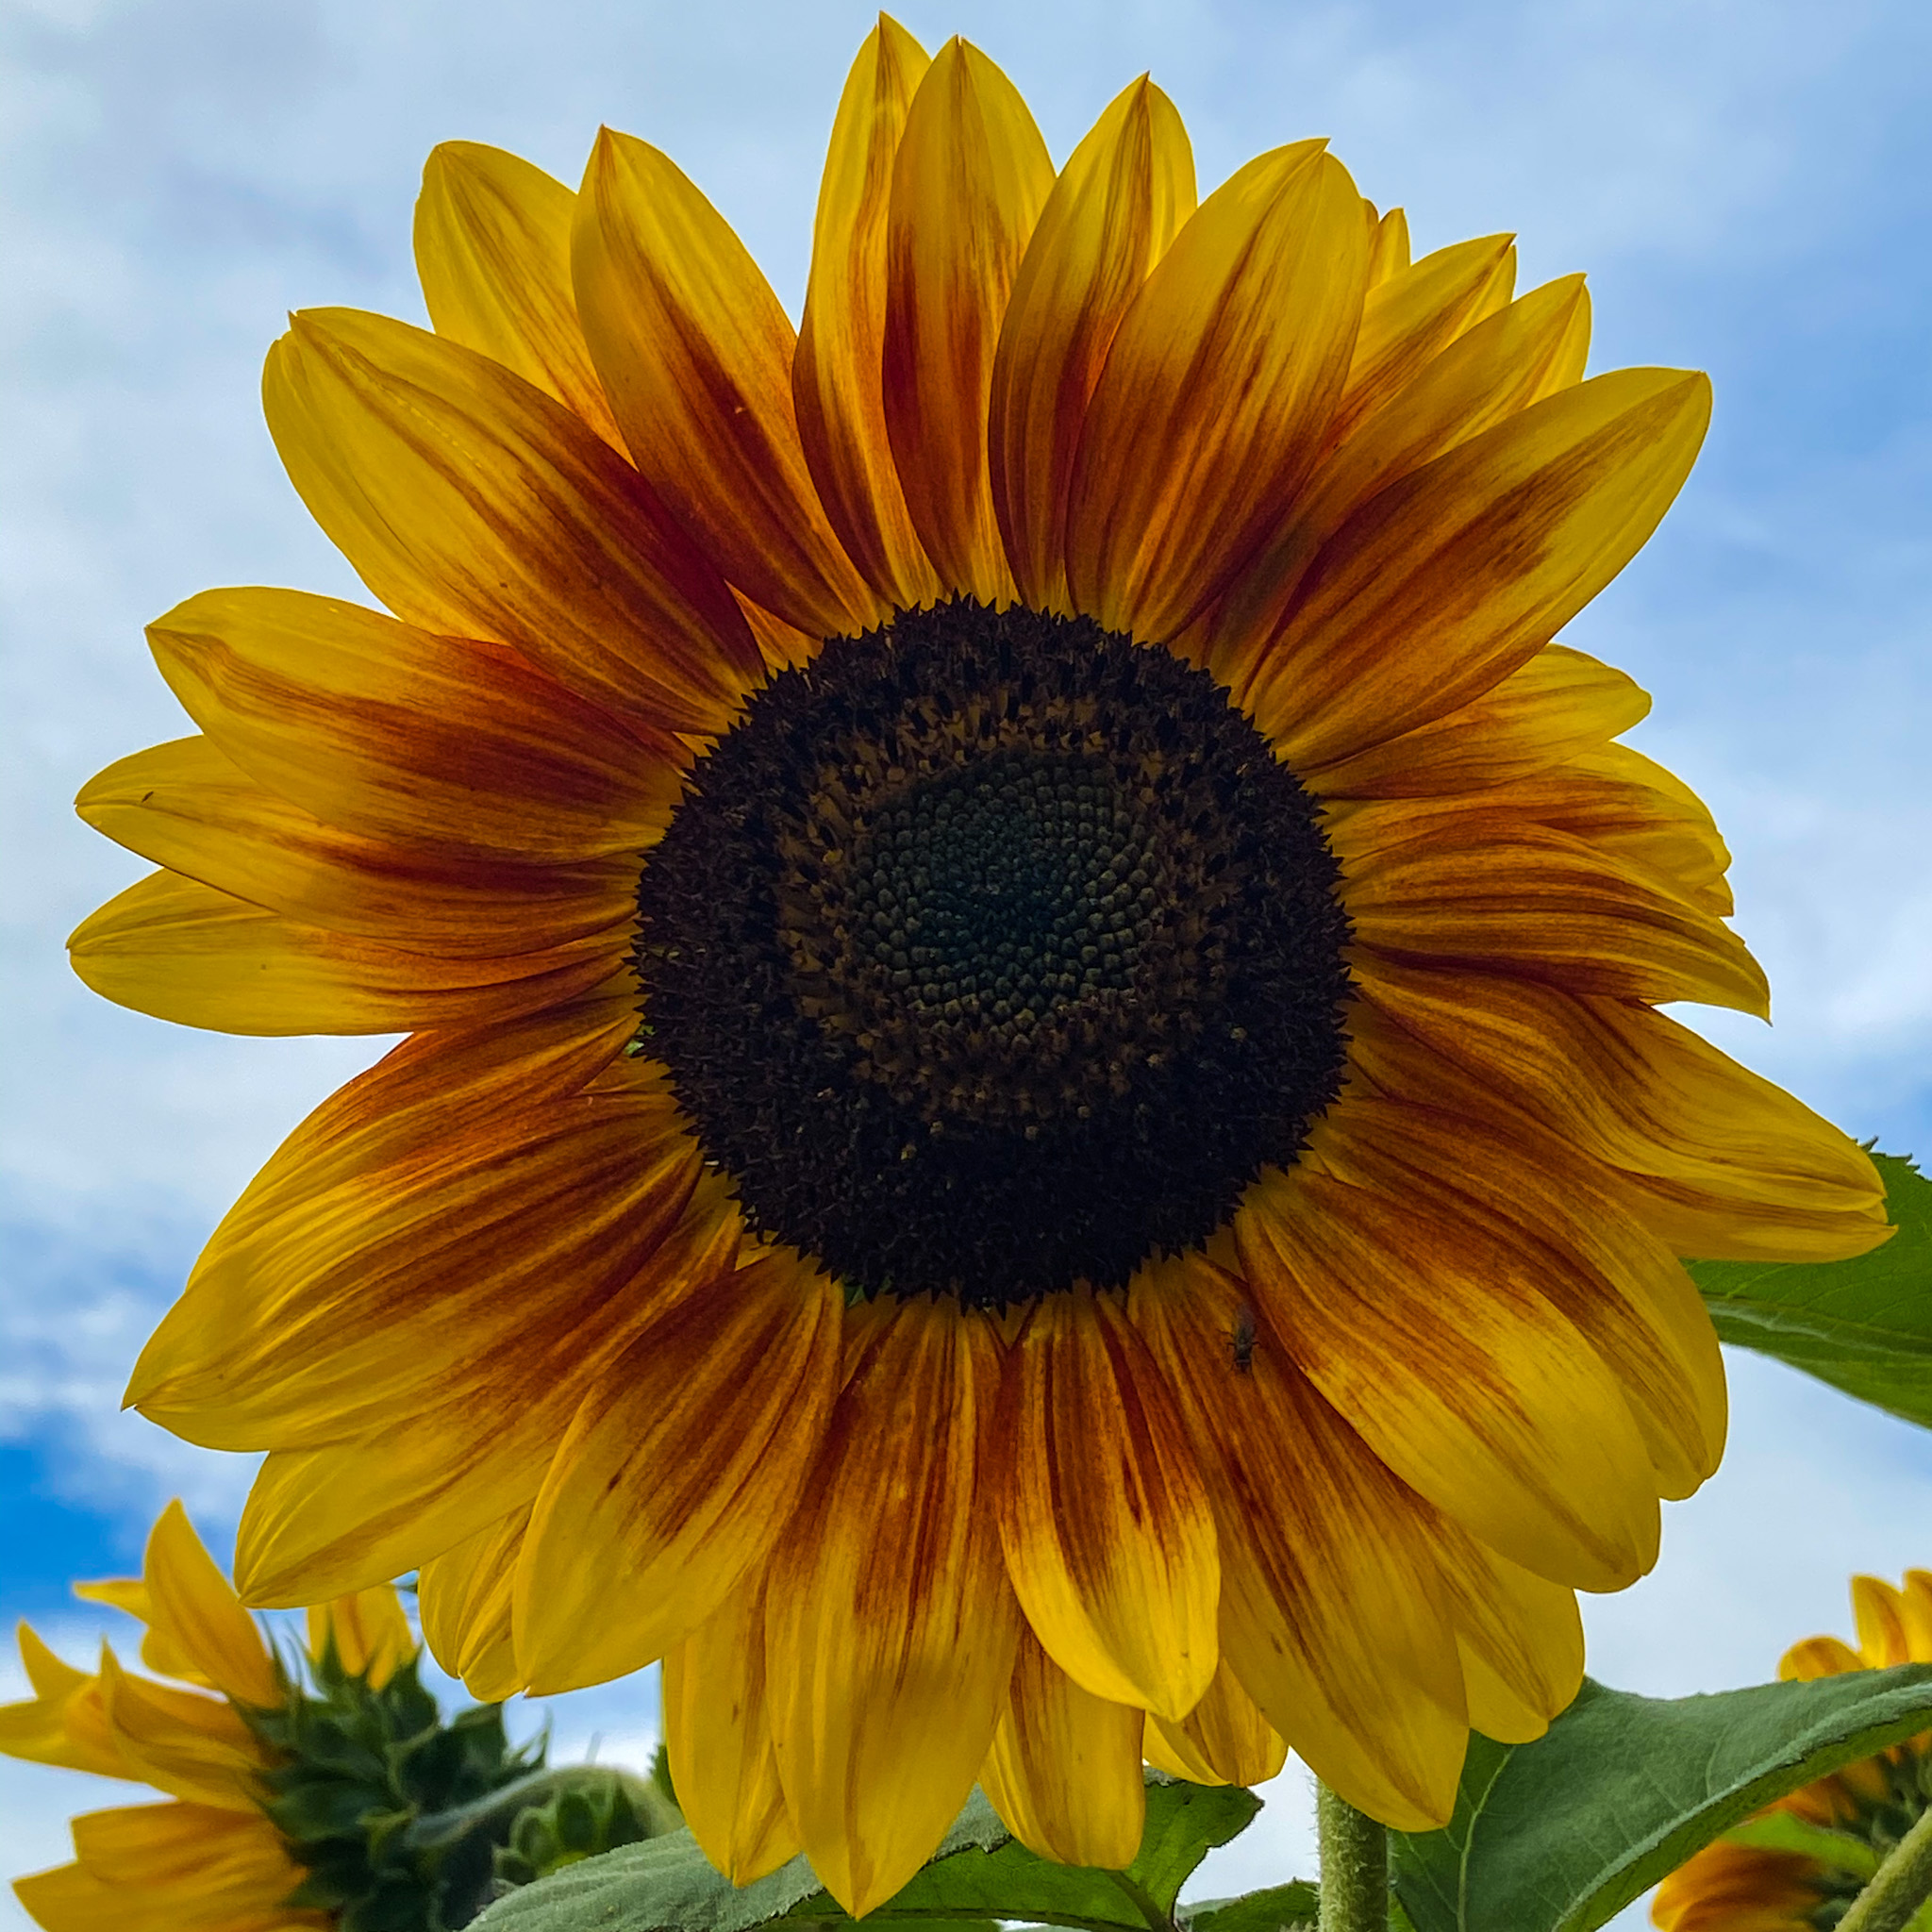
(718,1733)
(1111,215)
(222,1862)
(1434,1341)
(181,951)
(1446,580)
(678,1472)
(695,354)
(969,180)
(1388,248)
(411,1279)
(1559,704)
(1064,1770)
(1217,389)
(63,1722)
(1878,1610)
(475,506)
(463,1597)
(184,1743)
(186,807)
(197,1615)
(1721,1162)
(1819,1657)
(1225,1739)
(370,1635)
(1520,1638)
(835,374)
(1109,1538)
(492,254)
(891,1630)
(1332,1614)
(434,744)
(1915,1607)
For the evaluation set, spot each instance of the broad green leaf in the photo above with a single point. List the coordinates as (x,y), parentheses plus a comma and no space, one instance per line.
(1780,1831)
(1864,1325)
(1297,1903)
(1560,1834)
(980,1872)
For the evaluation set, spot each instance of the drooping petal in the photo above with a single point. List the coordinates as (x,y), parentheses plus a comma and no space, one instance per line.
(63,1722)
(1520,1638)
(195,1613)
(1109,1538)
(891,1630)
(969,180)
(370,1635)
(1064,1770)
(1724,1163)
(1218,386)
(464,1599)
(695,354)
(417,1270)
(429,743)
(186,807)
(678,1472)
(181,951)
(718,1732)
(1435,1344)
(174,1867)
(1332,1614)
(492,254)
(1111,215)
(1559,704)
(1446,580)
(835,372)
(475,506)
(1224,1740)
(181,1742)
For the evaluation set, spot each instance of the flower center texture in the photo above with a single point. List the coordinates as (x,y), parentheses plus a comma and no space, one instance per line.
(993,952)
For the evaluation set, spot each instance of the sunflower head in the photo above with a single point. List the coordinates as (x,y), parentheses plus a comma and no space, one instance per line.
(1728,1887)
(1036,1125)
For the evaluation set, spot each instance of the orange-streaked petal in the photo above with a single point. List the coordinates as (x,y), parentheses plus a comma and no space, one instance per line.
(1520,1638)
(187,807)
(474,505)
(889,1627)
(681,1469)
(969,180)
(492,254)
(836,385)
(1332,1614)
(695,354)
(1435,1344)
(1559,704)
(463,1597)
(1064,1770)
(370,1635)
(1116,208)
(196,1614)
(1109,1538)
(1819,1657)
(718,1732)
(410,1280)
(1446,580)
(1219,385)
(1224,1740)
(428,744)
(178,950)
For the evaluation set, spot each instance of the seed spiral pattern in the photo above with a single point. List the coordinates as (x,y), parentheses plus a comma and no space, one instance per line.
(993,952)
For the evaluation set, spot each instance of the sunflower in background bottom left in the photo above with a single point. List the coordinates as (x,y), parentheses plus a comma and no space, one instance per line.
(247,1751)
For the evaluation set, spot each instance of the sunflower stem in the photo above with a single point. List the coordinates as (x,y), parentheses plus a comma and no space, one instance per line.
(1898,1888)
(1355,1867)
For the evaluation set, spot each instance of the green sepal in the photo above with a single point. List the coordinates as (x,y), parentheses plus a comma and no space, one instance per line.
(586,1809)
(1559,1836)
(1863,1325)
(980,1873)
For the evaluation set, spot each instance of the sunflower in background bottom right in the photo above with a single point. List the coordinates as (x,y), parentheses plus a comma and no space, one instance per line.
(1733,1886)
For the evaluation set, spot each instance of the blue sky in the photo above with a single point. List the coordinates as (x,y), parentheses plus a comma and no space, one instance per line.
(1747,184)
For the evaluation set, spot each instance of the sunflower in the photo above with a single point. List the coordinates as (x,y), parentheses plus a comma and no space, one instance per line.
(1741,1888)
(210,1859)
(1034,1124)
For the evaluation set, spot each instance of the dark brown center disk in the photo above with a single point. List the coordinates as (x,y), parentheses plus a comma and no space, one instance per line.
(993,952)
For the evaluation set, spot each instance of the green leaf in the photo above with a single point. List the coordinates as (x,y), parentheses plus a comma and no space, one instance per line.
(1781,1831)
(1297,1903)
(979,1872)
(1863,1325)
(1560,1834)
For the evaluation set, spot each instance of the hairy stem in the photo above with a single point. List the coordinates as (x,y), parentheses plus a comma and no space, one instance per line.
(1354,1868)
(1898,1888)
